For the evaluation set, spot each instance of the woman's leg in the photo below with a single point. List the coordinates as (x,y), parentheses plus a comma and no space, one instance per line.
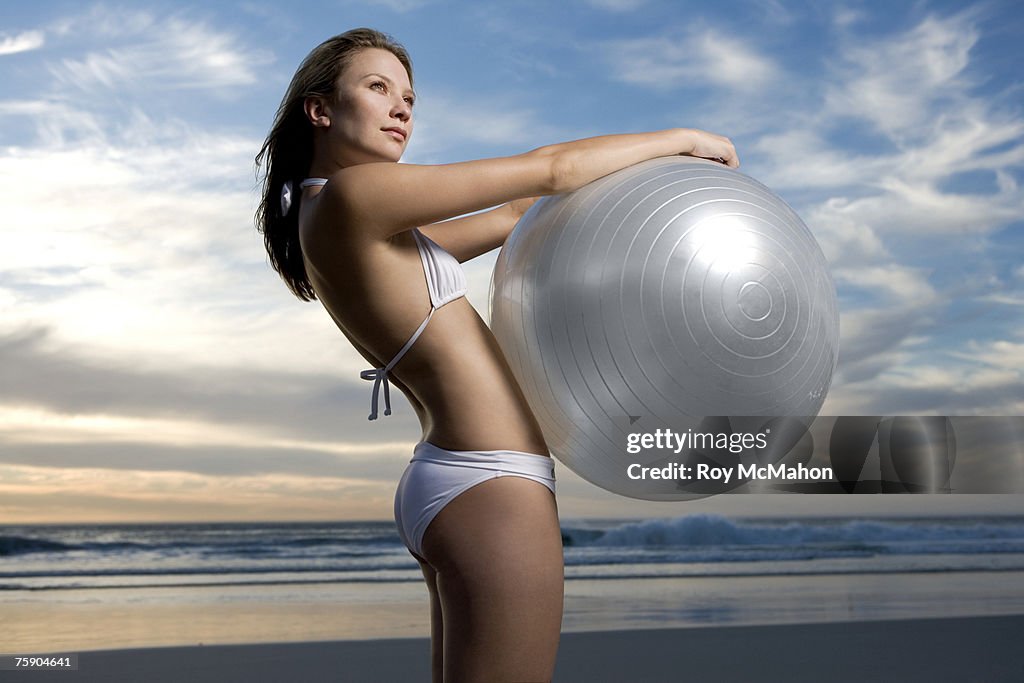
(436,623)
(497,553)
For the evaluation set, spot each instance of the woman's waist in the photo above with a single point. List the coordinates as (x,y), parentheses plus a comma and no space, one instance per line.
(494,460)
(468,430)
(472,416)
(470,408)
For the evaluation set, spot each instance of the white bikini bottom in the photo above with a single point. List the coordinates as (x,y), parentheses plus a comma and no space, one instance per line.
(435,476)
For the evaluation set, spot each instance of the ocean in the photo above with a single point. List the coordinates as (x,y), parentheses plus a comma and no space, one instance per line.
(359,581)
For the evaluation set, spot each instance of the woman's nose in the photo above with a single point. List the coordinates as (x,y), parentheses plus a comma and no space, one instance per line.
(402,110)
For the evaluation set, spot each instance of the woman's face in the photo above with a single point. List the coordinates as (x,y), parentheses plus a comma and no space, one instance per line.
(371,117)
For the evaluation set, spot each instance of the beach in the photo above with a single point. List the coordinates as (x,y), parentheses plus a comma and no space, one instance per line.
(982,649)
(690,598)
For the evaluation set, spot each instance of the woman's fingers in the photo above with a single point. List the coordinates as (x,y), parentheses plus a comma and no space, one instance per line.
(715,147)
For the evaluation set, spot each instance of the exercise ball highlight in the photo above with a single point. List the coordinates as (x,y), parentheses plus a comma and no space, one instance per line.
(670,295)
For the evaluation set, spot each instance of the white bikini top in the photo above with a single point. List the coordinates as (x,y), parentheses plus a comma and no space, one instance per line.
(445,282)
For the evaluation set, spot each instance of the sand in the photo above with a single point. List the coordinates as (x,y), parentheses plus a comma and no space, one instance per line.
(983,649)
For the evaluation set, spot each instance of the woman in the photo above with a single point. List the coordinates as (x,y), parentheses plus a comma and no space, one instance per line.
(346,224)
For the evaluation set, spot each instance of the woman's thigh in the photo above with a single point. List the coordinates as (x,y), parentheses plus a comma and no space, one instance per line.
(436,621)
(497,551)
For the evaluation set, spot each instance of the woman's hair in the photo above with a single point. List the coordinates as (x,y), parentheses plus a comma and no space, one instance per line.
(287,152)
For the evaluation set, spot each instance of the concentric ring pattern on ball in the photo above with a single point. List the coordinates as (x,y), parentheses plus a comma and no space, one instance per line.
(651,298)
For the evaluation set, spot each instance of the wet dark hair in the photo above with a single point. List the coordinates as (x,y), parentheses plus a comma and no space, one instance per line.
(288,150)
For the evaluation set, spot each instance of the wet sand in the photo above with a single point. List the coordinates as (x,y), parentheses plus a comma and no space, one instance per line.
(955,649)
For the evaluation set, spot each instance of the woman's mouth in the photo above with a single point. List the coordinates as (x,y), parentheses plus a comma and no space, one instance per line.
(396,133)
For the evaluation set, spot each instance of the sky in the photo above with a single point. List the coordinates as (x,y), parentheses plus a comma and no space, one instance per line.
(154,368)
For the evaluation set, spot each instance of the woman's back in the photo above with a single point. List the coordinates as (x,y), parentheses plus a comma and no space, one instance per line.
(454,374)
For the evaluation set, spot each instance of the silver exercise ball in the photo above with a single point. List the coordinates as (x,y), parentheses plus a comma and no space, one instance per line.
(668,295)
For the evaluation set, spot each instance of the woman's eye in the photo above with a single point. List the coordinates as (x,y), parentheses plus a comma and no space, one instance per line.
(410,100)
(376,83)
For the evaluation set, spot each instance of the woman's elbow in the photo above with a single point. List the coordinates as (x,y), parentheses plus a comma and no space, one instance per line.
(554,170)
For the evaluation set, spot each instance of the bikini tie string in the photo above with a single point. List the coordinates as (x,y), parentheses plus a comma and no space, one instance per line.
(378,376)
(288,191)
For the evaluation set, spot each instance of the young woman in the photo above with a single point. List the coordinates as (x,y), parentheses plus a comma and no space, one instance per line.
(345,224)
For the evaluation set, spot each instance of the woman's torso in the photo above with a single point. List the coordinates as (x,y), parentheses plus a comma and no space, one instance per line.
(454,375)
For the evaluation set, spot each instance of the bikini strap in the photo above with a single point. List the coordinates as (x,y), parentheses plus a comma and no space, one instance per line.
(312,182)
(379,376)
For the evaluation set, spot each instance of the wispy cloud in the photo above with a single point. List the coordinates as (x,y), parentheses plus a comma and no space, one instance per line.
(398,6)
(446,123)
(151,52)
(617,5)
(22,42)
(879,215)
(921,208)
(922,388)
(800,156)
(845,238)
(682,58)
(892,282)
(997,354)
(896,82)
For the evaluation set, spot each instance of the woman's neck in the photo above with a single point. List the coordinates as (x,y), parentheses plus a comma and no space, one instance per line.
(323,165)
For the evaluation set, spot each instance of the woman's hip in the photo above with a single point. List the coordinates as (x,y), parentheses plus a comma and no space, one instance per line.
(436,476)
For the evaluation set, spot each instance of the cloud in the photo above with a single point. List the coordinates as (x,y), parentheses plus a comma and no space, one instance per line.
(1004,299)
(138,313)
(845,17)
(893,283)
(181,440)
(885,375)
(152,53)
(922,389)
(211,460)
(871,337)
(881,213)
(136,397)
(22,42)
(678,60)
(617,5)
(801,157)
(148,252)
(966,138)
(445,124)
(97,494)
(896,82)
(997,354)
(57,124)
(398,6)
(907,208)
(845,239)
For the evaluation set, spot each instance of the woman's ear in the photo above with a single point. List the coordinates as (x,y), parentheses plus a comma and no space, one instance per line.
(317,111)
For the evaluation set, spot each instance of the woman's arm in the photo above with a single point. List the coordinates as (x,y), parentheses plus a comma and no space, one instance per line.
(582,161)
(382,199)
(470,236)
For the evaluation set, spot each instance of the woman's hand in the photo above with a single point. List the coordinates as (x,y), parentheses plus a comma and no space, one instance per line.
(714,147)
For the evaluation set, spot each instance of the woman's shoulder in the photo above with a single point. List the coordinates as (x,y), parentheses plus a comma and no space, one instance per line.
(344,206)
(327,235)
(346,189)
